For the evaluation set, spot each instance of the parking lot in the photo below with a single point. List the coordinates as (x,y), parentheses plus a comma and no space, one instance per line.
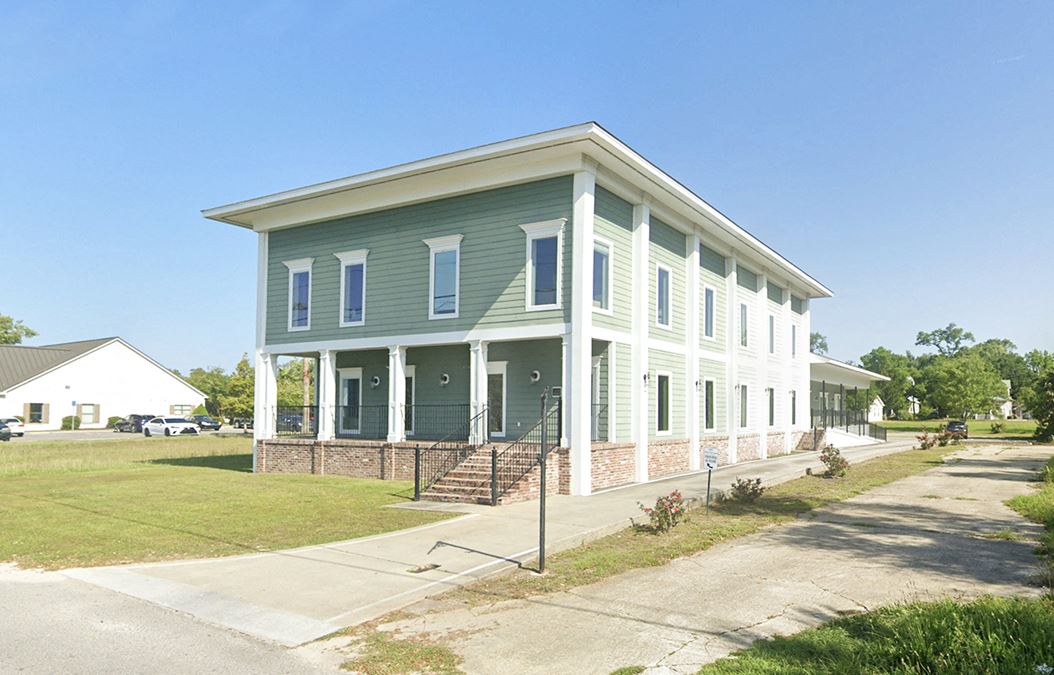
(103,434)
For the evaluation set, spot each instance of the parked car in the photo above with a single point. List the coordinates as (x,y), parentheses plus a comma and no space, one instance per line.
(206,423)
(242,422)
(957,428)
(14,425)
(132,424)
(170,426)
(5,432)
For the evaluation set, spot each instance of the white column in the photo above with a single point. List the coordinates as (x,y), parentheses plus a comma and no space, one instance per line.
(478,396)
(266,395)
(804,371)
(581,398)
(692,385)
(612,397)
(642,320)
(565,385)
(763,366)
(327,392)
(396,393)
(786,366)
(732,373)
(259,395)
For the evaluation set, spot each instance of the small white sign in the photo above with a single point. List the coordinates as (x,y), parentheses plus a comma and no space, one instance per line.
(710,458)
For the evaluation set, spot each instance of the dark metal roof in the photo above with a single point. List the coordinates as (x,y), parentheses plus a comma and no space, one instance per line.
(19,363)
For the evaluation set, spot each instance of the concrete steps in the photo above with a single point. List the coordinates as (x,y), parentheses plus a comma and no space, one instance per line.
(468,482)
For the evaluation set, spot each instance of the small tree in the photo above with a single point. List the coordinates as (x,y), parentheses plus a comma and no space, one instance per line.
(12,332)
(1043,407)
(817,343)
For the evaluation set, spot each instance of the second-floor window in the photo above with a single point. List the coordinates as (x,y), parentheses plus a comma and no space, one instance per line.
(299,293)
(543,264)
(352,287)
(709,311)
(444,281)
(602,275)
(662,296)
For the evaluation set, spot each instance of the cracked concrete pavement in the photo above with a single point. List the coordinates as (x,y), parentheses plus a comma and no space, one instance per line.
(916,538)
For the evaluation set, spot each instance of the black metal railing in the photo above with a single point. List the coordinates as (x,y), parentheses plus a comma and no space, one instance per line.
(598,428)
(434,421)
(437,460)
(876,432)
(363,421)
(299,420)
(512,462)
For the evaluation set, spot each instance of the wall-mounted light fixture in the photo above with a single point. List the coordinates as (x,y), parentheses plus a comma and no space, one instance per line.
(697,385)
(535,376)
(645,379)
(444,380)
(375,381)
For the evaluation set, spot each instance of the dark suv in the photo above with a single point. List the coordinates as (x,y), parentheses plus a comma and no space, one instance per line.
(132,424)
(957,428)
(5,432)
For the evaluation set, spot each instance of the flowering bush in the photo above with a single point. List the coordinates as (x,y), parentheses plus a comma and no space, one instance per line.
(835,463)
(926,441)
(745,489)
(667,512)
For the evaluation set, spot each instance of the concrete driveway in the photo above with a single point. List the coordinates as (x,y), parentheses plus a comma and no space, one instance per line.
(916,538)
(294,596)
(104,435)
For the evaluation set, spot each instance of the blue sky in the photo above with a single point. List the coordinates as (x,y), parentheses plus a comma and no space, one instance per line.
(899,152)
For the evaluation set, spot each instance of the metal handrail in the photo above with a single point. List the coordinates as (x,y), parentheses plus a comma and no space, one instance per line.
(518,458)
(439,459)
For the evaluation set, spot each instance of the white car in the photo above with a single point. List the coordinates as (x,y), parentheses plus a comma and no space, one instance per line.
(16,427)
(170,426)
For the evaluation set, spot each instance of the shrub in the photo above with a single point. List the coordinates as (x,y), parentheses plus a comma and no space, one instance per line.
(997,427)
(926,441)
(837,465)
(200,410)
(110,421)
(667,512)
(745,490)
(71,422)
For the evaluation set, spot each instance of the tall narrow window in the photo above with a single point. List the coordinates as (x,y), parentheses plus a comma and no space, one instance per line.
(772,334)
(794,407)
(794,340)
(444,281)
(743,326)
(662,296)
(709,422)
(772,406)
(299,293)
(543,264)
(602,275)
(352,287)
(709,307)
(662,404)
(744,399)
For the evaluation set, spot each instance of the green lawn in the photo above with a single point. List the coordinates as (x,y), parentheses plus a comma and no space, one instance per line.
(1039,507)
(86,503)
(990,635)
(1012,429)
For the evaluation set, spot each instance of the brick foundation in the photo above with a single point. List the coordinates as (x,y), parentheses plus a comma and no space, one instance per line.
(613,464)
(748,448)
(804,440)
(340,457)
(719,443)
(667,456)
(775,445)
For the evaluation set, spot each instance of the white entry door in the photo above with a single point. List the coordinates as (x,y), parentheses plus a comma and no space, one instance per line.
(497,397)
(350,401)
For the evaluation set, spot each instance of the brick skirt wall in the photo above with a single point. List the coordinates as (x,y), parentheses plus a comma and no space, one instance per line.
(803,440)
(355,459)
(774,445)
(748,448)
(668,456)
(719,443)
(613,464)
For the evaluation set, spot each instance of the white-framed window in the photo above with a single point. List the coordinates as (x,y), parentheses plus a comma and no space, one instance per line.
(772,406)
(709,312)
(603,253)
(772,334)
(794,339)
(794,407)
(744,325)
(87,413)
(662,296)
(544,264)
(349,400)
(299,293)
(497,397)
(444,276)
(744,405)
(352,287)
(662,404)
(709,405)
(180,409)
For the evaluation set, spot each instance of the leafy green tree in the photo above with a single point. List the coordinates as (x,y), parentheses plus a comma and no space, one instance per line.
(962,385)
(947,341)
(817,343)
(1002,355)
(214,383)
(291,383)
(1039,363)
(237,400)
(12,332)
(897,367)
(1043,406)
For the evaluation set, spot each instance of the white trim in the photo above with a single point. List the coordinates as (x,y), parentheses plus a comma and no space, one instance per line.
(613,335)
(531,332)
(342,375)
(743,418)
(641,326)
(713,318)
(667,346)
(261,289)
(692,381)
(707,400)
(612,383)
(544,230)
(299,266)
(669,300)
(396,393)
(443,245)
(499,368)
(743,325)
(583,210)
(348,259)
(669,403)
(720,357)
(610,281)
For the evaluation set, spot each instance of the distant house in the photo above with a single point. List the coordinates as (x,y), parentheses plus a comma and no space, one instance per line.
(876,411)
(914,406)
(1004,406)
(94,379)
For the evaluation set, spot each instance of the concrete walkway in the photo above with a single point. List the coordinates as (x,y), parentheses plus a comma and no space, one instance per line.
(298,595)
(916,538)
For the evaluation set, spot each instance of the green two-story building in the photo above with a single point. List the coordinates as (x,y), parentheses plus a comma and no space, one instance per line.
(443,296)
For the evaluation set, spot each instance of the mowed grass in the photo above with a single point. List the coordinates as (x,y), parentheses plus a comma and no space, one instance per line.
(88,503)
(1039,507)
(1012,429)
(989,635)
(636,548)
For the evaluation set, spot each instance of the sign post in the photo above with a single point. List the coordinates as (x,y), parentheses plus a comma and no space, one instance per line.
(710,461)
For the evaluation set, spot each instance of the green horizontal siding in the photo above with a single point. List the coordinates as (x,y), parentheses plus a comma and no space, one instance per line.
(707,278)
(614,222)
(667,248)
(716,371)
(523,397)
(374,363)
(492,275)
(624,393)
(673,364)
